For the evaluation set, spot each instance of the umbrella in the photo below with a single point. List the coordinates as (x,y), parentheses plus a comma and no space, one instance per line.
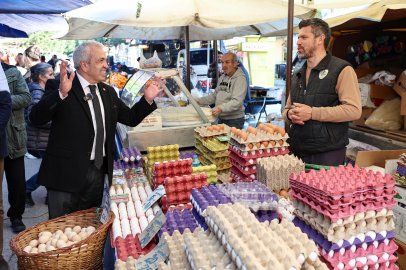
(6,31)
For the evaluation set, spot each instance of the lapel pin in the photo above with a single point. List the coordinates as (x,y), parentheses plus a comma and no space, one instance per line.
(104,89)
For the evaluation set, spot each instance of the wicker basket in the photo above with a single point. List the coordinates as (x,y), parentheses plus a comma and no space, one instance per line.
(84,255)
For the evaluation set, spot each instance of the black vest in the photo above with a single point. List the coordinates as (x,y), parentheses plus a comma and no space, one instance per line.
(318,137)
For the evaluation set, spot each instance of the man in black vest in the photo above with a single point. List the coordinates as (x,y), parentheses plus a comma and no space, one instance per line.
(84,114)
(325,97)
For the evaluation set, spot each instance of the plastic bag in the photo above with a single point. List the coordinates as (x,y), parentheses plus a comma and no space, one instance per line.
(354,146)
(379,78)
(387,116)
(153,62)
(365,90)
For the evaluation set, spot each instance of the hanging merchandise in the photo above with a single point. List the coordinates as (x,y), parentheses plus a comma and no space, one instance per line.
(153,62)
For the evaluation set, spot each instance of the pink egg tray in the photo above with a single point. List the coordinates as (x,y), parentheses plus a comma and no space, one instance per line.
(349,210)
(178,188)
(276,150)
(161,170)
(348,257)
(131,246)
(238,176)
(242,161)
(247,170)
(342,181)
(371,195)
(370,264)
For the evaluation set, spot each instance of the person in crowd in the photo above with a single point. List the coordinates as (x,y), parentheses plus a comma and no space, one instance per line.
(32,56)
(10,59)
(84,113)
(52,61)
(247,77)
(37,136)
(20,60)
(42,59)
(324,97)
(229,94)
(211,73)
(126,69)
(17,146)
(57,68)
(5,114)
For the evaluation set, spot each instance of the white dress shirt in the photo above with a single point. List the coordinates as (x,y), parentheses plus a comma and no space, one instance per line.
(85,85)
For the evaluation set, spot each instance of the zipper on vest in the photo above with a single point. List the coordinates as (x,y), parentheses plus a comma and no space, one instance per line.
(300,86)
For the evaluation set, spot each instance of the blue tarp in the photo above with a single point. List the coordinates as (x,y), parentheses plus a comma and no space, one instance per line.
(6,31)
(40,6)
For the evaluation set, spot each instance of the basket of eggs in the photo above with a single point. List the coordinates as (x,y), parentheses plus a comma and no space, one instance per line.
(75,241)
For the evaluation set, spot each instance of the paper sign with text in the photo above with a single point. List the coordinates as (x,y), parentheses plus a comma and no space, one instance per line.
(152,121)
(158,193)
(154,258)
(106,208)
(119,198)
(152,229)
(223,138)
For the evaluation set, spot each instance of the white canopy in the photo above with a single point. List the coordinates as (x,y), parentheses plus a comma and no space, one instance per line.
(165,19)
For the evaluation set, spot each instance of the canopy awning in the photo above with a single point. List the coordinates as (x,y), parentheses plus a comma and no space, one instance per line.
(40,6)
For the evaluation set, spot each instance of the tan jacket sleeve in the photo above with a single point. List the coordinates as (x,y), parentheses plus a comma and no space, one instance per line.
(288,105)
(350,98)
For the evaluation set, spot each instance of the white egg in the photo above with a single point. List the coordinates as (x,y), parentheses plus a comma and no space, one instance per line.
(43,239)
(34,243)
(68,230)
(77,229)
(27,249)
(83,235)
(42,246)
(50,248)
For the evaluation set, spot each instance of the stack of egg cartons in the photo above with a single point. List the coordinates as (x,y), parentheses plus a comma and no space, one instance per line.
(400,175)
(262,202)
(254,245)
(210,170)
(347,212)
(210,150)
(131,220)
(132,157)
(118,173)
(178,188)
(162,170)
(203,199)
(247,147)
(274,172)
(177,220)
(160,154)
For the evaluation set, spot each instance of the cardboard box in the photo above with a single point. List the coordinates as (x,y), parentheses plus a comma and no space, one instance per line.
(403,105)
(383,64)
(364,72)
(377,158)
(366,112)
(401,254)
(400,85)
(377,91)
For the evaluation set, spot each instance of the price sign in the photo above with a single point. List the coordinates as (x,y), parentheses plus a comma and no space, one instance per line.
(106,208)
(152,229)
(154,258)
(158,193)
(223,138)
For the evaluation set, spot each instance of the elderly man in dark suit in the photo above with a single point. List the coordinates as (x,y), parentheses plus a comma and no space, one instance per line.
(84,114)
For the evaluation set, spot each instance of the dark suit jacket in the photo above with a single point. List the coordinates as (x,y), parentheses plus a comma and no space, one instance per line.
(64,166)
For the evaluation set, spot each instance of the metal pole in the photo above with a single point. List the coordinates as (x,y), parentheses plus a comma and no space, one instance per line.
(289,53)
(187,46)
(215,58)
(208,63)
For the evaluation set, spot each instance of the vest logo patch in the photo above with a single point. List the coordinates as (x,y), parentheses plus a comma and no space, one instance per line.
(323,74)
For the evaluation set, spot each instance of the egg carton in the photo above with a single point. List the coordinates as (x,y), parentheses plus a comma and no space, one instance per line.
(187,154)
(216,154)
(152,161)
(210,170)
(247,170)
(348,211)
(119,177)
(259,137)
(253,244)
(177,255)
(253,147)
(361,220)
(186,183)
(206,252)
(343,181)
(163,154)
(178,221)
(400,180)
(131,248)
(224,178)
(238,176)
(203,160)
(345,232)
(170,207)
(242,161)
(252,194)
(362,240)
(248,155)
(161,148)
(266,216)
(128,265)
(274,171)
(204,132)
(370,265)
(207,197)
(213,145)
(326,202)
(218,161)
(380,254)
(131,155)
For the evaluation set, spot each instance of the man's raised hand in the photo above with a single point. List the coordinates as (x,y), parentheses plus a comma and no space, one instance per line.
(152,90)
(66,83)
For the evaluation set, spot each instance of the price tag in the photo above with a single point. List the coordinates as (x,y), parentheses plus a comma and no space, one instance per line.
(106,208)
(158,193)
(119,198)
(154,258)
(223,138)
(152,229)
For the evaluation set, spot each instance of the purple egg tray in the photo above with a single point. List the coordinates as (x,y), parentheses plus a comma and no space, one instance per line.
(178,221)
(199,220)
(401,170)
(265,215)
(208,196)
(186,154)
(327,245)
(117,165)
(131,155)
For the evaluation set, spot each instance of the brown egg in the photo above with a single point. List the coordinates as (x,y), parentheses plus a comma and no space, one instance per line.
(221,165)
(228,164)
(248,129)
(217,128)
(258,145)
(265,143)
(283,193)
(223,159)
(268,125)
(233,129)
(253,131)
(281,131)
(230,179)
(211,138)
(210,129)
(280,142)
(221,126)
(205,139)
(238,132)
(261,126)
(250,146)
(270,130)
(273,143)
(244,136)
(217,160)
(274,126)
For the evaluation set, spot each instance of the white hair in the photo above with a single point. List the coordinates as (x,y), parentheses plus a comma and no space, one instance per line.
(82,52)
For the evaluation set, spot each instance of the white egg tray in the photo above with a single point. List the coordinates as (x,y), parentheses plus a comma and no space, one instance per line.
(128,265)
(245,146)
(260,137)
(203,132)
(177,256)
